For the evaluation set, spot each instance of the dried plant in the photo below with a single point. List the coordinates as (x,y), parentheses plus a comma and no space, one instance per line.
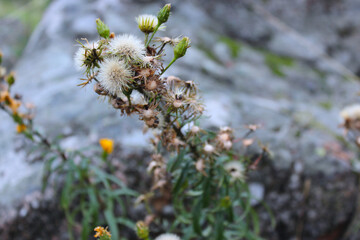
(194,171)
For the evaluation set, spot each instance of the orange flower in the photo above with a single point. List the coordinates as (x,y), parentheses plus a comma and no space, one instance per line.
(100,232)
(20,128)
(13,104)
(107,145)
(4,96)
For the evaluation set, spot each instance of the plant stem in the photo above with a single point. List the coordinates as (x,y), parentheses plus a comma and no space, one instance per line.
(172,61)
(152,35)
(146,38)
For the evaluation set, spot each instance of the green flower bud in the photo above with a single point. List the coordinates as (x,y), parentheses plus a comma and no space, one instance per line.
(142,230)
(164,14)
(181,47)
(102,29)
(10,79)
(1,57)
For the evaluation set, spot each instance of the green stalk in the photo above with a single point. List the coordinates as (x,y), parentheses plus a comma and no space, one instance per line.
(172,61)
(146,38)
(152,35)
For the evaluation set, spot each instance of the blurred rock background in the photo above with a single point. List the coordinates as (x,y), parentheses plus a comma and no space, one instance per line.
(288,65)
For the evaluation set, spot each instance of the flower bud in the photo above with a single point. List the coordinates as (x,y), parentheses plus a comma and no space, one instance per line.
(181,47)
(10,79)
(164,14)
(142,230)
(1,55)
(102,29)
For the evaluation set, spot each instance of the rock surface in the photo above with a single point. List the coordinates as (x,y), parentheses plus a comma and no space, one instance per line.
(283,64)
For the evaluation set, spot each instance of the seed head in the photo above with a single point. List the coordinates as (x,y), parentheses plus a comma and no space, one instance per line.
(351,112)
(86,56)
(168,236)
(236,170)
(114,75)
(128,46)
(137,98)
(209,149)
(195,129)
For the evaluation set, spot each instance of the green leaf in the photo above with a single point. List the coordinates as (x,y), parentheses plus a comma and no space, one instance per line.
(112,221)
(181,179)
(86,224)
(64,201)
(219,226)
(126,222)
(196,215)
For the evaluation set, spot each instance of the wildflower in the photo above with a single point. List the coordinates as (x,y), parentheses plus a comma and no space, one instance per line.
(87,56)
(102,233)
(147,23)
(168,236)
(128,46)
(351,112)
(12,103)
(107,145)
(21,128)
(114,75)
(142,230)
(236,170)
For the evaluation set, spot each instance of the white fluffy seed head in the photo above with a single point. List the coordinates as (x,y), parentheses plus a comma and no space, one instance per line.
(137,98)
(168,236)
(148,114)
(79,56)
(236,170)
(128,46)
(208,148)
(351,112)
(195,129)
(114,75)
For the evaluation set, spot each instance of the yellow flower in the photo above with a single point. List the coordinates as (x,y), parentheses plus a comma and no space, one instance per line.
(107,145)
(20,128)
(6,98)
(101,232)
